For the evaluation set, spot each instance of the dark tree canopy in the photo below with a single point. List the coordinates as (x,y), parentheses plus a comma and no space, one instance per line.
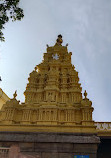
(9,9)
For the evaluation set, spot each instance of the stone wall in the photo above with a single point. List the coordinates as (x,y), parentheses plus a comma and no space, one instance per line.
(48,145)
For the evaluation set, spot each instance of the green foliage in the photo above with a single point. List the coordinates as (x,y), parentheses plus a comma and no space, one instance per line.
(9,10)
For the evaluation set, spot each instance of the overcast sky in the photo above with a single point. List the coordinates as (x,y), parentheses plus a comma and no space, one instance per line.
(84,24)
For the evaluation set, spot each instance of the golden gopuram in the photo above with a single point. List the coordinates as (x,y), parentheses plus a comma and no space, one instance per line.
(56,118)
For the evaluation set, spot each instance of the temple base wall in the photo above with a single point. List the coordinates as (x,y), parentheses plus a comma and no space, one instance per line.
(48,145)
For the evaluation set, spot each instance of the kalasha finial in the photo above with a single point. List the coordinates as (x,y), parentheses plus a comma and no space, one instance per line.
(85,94)
(15,94)
(59,39)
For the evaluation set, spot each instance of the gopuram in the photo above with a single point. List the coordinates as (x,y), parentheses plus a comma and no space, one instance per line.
(56,119)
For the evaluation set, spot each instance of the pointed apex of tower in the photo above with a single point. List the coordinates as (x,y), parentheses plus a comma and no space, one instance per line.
(59,40)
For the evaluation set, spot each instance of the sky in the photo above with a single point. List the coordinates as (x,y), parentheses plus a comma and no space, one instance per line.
(84,25)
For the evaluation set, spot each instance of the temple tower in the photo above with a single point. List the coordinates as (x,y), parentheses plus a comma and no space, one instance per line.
(54,105)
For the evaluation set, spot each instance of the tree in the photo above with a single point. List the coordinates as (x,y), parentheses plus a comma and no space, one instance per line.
(9,9)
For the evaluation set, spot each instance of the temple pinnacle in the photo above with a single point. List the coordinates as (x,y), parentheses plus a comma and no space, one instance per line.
(59,40)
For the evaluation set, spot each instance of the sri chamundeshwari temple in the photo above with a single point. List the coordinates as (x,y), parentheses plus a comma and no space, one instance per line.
(56,118)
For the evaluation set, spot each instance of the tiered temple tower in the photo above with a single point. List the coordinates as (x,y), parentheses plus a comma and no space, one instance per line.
(53,96)
(53,104)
